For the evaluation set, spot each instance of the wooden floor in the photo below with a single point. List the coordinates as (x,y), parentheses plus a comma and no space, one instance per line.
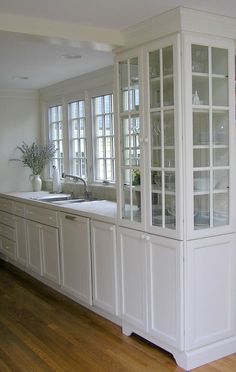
(41,330)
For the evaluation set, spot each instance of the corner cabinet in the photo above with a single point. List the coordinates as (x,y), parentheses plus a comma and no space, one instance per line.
(176,150)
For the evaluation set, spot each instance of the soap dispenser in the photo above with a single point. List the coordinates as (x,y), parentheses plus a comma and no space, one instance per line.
(56,182)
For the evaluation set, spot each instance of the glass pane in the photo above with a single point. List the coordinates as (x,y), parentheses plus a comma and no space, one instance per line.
(60,131)
(108,152)
(201,128)
(157,209)
(73,110)
(169,158)
(168,91)
(75,129)
(99,126)
(200,58)
(54,131)
(98,105)
(201,212)
(220,156)
(170,218)
(154,64)
(201,181)
(221,179)
(75,148)
(155,96)
(156,179)
(134,71)
(156,129)
(167,60)
(169,131)
(170,181)
(201,157)
(156,158)
(219,61)
(221,209)
(108,169)
(82,145)
(108,125)
(200,90)
(100,147)
(107,104)
(81,109)
(82,127)
(100,169)
(220,128)
(220,92)
(61,149)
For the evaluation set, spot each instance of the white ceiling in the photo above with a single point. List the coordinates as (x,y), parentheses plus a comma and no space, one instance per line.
(40,58)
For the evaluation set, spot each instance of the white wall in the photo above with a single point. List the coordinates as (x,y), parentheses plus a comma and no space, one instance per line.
(19,121)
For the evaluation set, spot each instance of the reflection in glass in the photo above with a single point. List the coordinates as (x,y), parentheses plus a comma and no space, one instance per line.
(156,129)
(220,156)
(200,58)
(169,129)
(201,128)
(170,214)
(220,128)
(201,181)
(168,92)
(221,209)
(200,85)
(201,212)
(221,179)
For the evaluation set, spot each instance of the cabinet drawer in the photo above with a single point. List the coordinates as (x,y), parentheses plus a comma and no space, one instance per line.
(8,248)
(6,205)
(8,232)
(19,209)
(7,219)
(45,216)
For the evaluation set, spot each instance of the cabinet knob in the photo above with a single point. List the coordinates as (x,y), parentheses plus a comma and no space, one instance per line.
(148,238)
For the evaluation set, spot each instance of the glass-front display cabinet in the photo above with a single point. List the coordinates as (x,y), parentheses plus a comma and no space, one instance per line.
(130,162)
(177,164)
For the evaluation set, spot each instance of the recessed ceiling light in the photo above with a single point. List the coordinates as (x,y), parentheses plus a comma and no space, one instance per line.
(71,56)
(20,77)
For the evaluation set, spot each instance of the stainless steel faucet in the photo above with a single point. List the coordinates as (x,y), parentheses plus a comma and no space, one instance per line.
(76,179)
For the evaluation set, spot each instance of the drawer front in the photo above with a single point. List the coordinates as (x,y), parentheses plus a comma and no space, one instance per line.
(8,232)
(7,219)
(8,248)
(6,205)
(45,216)
(19,209)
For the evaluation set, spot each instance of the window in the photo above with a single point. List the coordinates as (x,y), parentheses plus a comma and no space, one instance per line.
(77,130)
(55,126)
(104,138)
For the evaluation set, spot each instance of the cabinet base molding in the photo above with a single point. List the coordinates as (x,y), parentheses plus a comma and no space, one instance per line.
(188,360)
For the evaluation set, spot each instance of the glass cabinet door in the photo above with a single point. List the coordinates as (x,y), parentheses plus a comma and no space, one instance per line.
(162,122)
(130,139)
(210,115)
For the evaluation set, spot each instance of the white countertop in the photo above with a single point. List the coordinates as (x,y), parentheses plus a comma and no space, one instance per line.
(99,209)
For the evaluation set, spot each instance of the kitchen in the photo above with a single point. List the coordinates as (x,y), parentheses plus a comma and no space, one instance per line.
(160,281)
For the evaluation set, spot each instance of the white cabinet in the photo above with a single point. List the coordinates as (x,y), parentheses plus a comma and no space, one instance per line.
(104,266)
(133,252)
(43,243)
(33,234)
(21,241)
(210,290)
(50,253)
(152,295)
(76,257)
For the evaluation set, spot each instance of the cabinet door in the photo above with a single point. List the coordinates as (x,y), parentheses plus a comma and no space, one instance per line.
(128,95)
(165,268)
(50,253)
(34,246)
(21,241)
(104,260)
(76,257)
(210,132)
(210,290)
(133,278)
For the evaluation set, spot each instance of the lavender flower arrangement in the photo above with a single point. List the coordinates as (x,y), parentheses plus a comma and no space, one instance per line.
(36,156)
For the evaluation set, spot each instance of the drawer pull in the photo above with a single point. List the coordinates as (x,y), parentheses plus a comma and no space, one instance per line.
(71,218)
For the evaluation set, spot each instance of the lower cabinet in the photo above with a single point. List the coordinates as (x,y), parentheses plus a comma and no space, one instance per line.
(21,243)
(43,250)
(104,266)
(151,280)
(76,257)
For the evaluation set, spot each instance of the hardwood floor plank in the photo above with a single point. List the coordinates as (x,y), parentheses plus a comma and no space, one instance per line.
(43,331)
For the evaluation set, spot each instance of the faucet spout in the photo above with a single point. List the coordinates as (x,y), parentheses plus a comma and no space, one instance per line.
(76,179)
